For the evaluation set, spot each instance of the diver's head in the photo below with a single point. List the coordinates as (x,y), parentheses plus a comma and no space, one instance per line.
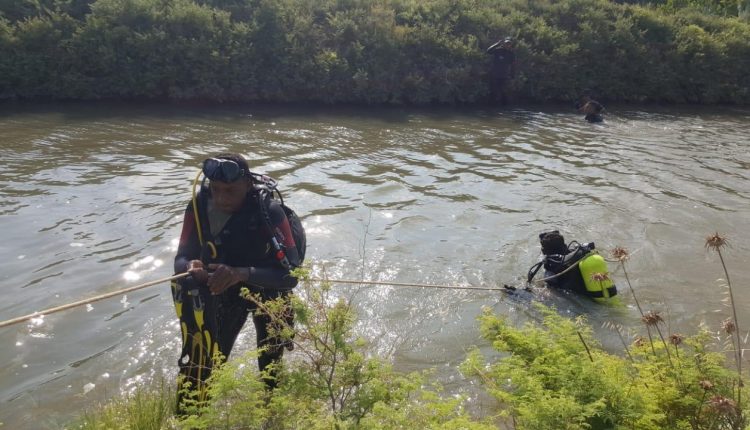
(229,180)
(553,243)
(507,42)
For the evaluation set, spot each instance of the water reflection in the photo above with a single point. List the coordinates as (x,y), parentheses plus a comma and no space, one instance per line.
(92,200)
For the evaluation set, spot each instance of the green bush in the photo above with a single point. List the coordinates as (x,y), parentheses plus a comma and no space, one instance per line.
(332,381)
(557,376)
(370,52)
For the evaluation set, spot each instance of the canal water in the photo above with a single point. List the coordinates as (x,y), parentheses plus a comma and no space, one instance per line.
(92,197)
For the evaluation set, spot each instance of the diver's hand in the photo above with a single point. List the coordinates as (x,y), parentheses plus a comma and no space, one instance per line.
(225,276)
(197,271)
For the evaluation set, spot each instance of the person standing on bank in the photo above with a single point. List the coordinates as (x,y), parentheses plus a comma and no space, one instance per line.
(230,239)
(503,69)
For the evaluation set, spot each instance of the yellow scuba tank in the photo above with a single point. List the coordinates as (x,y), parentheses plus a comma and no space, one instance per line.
(596,278)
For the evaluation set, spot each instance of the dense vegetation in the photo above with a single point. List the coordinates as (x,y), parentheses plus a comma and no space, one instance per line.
(372,51)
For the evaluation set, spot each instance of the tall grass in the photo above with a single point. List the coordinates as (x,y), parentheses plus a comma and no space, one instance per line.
(148,408)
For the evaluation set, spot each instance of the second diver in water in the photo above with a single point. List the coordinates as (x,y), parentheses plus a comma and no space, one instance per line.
(591,108)
(577,267)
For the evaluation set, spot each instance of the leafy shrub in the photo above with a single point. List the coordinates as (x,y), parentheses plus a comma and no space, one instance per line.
(557,376)
(331,381)
(371,52)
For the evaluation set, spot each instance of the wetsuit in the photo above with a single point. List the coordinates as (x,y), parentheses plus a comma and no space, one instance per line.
(210,323)
(502,71)
(556,254)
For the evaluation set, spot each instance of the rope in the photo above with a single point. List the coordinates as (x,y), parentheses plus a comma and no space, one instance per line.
(403,284)
(182,275)
(91,300)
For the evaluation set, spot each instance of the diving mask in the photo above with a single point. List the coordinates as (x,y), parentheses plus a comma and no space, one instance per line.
(218,169)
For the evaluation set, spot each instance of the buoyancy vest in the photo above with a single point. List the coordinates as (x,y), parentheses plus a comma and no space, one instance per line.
(243,241)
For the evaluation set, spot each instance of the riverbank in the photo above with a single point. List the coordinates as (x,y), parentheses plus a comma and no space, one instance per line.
(370,53)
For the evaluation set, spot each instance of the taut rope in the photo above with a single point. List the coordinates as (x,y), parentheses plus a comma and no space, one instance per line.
(182,275)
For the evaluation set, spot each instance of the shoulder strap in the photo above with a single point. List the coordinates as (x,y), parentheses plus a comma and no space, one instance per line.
(264,201)
(533,271)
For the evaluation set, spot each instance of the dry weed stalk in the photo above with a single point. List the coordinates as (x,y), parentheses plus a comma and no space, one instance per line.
(622,255)
(717,242)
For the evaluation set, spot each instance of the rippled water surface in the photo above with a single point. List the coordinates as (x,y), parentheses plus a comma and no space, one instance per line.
(91,199)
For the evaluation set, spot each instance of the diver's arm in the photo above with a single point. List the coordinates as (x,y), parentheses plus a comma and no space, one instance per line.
(270,278)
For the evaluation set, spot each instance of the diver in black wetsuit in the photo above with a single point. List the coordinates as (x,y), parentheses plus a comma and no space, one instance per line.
(232,250)
(577,267)
(503,69)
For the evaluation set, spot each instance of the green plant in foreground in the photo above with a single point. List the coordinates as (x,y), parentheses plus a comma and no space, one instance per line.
(548,380)
(145,409)
(730,326)
(329,382)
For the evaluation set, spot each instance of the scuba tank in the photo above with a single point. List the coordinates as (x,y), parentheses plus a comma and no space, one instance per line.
(573,267)
(593,265)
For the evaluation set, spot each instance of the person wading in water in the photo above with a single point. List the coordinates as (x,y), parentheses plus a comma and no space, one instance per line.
(233,236)
(503,69)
